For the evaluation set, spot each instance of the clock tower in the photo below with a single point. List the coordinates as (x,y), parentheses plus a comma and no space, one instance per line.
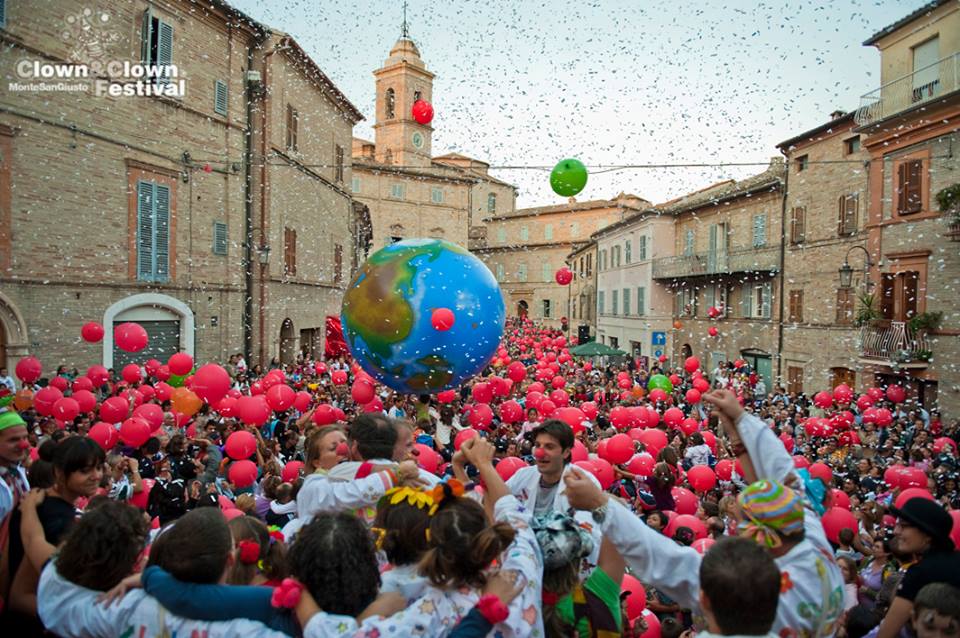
(402,80)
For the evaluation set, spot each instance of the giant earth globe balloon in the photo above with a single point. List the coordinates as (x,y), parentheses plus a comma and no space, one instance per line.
(387,312)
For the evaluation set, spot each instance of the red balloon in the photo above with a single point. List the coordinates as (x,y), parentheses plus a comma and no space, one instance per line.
(511,412)
(242,473)
(839,498)
(253,410)
(105,435)
(945,443)
(60,383)
(883,417)
(912,477)
(563,276)
(464,435)
(955,532)
(163,373)
(689,521)
(140,499)
(291,471)
(480,416)
(427,458)
(240,445)
(560,398)
(65,409)
(422,112)
(896,394)
(508,466)
(842,393)
(692,396)
(130,337)
(703,545)
(686,501)
(227,406)
(362,392)
(151,366)
(710,439)
(28,369)
(516,372)
(636,599)
(701,385)
(604,472)
(164,390)
(151,413)
(442,319)
(713,332)
(131,373)
(180,363)
(836,519)
(724,469)
(673,417)
(482,392)
(688,426)
(82,383)
(619,449)
(912,493)
(641,465)
(579,452)
(85,399)
(113,410)
(701,478)
(823,472)
(134,432)
(800,461)
(657,395)
(91,332)
(447,396)
(210,382)
(339,377)
(691,364)
(281,397)
(324,414)
(654,440)
(45,399)
(863,402)
(547,407)
(376,405)
(823,400)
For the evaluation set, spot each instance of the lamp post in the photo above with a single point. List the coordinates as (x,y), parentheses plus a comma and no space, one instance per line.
(846,270)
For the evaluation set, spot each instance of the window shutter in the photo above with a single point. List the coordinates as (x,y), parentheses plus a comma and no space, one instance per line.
(3,13)
(914,184)
(220,97)
(799,224)
(162,233)
(338,263)
(641,301)
(219,238)
(146,35)
(626,302)
(910,285)
(746,301)
(759,230)
(887,285)
(710,296)
(165,48)
(145,213)
(767,299)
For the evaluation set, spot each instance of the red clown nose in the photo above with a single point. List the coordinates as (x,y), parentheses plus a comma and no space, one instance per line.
(24,444)
(342,449)
(539,453)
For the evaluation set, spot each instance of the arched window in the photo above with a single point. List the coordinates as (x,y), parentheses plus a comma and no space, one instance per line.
(492,203)
(391,104)
(416,96)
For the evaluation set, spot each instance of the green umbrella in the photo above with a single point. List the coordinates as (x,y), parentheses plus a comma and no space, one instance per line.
(594,349)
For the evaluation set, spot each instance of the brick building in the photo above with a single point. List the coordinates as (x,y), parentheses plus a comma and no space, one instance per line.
(162,209)
(727,255)
(825,225)
(909,129)
(409,192)
(525,248)
(633,313)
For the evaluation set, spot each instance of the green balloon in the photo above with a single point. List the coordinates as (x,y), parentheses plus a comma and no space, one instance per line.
(661,382)
(568,177)
(176,380)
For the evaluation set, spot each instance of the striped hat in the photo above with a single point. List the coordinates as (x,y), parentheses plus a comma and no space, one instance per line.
(771,510)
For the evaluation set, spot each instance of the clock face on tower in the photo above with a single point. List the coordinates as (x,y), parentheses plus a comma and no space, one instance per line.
(418,140)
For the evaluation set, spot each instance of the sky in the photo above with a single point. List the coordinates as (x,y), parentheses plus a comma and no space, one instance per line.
(610,82)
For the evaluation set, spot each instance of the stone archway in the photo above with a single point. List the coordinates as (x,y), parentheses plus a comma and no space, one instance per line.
(148,307)
(686,351)
(14,342)
(288,342)
(522,309)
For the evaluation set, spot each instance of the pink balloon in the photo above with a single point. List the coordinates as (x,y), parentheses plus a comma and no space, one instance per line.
(242,473)
(240,445)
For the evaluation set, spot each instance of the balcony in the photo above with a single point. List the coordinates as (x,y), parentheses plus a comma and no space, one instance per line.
(766,259)
(923,85)
(894,345)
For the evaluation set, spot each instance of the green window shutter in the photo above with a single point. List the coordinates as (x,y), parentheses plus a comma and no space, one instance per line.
(641,301)
(614,306)
(600,303)
(161,245)
(219,238)
(626,302)
(165,48)
(747,300)
(146,35)
(767,299)
(220,97)
(627,251)
(146,203)
(710,296)
(3,13)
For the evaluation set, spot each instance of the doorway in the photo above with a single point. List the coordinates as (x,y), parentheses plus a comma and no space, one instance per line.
(522,309)
(288,342)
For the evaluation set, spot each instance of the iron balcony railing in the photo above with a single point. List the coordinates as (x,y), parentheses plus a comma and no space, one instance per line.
(923,85)
(895,343)
(765,259)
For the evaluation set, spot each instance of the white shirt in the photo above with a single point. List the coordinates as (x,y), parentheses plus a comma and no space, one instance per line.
(9,382)
(6,496)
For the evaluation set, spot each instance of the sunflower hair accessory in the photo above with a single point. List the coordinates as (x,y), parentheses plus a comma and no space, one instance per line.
(415,498)
(445,492)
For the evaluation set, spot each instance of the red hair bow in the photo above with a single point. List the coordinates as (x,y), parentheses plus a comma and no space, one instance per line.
(249,552)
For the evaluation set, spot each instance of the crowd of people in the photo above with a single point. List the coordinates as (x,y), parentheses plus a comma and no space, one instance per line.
(550,496)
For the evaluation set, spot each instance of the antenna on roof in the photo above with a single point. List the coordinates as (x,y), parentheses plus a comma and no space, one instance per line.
(404,30)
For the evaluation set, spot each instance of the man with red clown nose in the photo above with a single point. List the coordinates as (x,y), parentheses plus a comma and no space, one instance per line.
(13,484)
(776,516)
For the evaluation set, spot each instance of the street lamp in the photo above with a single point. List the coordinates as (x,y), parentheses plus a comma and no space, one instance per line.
(264,254)
(846,270)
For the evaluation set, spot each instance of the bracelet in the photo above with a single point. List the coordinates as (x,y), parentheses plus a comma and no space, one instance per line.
(492,608)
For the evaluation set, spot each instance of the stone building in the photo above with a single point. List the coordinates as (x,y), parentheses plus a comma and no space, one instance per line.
(409,192)
(583,290)
(162,209)
(524,249)
(727,256)
(825,226)
(908,127)
(634,313)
